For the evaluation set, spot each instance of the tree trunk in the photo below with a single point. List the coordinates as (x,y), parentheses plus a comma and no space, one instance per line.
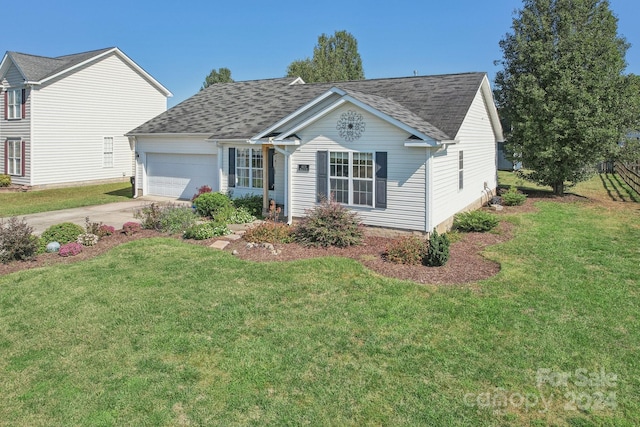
(558,188)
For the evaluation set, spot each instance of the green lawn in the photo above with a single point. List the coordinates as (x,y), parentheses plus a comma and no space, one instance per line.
(163,333)
(15,204)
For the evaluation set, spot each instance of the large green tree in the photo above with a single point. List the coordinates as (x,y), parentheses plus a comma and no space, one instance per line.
(222,75)
(335,58)
(562,93)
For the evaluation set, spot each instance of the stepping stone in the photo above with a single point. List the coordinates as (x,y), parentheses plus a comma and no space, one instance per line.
(219,244)
(234,237)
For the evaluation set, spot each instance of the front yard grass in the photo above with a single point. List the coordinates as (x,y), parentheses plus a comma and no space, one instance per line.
(16,204)
(158,332)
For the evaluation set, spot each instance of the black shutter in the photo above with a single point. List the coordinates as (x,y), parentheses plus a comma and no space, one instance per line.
(272,171)
(23,105)
(232,167)
(381,179)
(321,175)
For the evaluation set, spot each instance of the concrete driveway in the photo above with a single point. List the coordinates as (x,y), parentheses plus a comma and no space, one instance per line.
(114,214)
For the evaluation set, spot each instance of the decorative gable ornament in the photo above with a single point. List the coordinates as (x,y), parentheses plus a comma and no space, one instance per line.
(350,126)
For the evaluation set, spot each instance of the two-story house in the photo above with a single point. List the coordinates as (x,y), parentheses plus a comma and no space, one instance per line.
(64,119)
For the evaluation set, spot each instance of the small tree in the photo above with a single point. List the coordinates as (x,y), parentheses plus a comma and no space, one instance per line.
(438,250)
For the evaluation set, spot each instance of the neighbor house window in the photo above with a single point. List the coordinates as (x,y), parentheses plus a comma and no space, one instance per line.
(249,167)
(107,152)
(14,157)
(460,170)
(351,177)
(14,104)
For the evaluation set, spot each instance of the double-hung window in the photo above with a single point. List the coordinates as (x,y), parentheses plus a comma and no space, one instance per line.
(351,177)
(14,104)
(249,167)
(107,152)
(14,157)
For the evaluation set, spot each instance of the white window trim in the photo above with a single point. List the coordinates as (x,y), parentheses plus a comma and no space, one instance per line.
(350,179)
(12,161)
(251,169)
(106,154)
(14,104)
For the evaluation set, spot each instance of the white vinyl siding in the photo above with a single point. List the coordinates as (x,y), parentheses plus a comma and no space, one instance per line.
(405,169)
(478,142)
(72,113)
(17,129)
(107,152)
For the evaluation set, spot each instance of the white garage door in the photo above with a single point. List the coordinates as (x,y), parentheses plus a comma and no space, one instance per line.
(180,175)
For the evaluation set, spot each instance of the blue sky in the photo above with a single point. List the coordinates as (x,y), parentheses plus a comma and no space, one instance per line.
(179,42)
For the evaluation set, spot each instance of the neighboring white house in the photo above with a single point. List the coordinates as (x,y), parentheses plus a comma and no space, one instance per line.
(65,118)
(405,153)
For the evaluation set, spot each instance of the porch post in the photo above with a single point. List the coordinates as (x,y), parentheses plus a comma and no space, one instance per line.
(265,178)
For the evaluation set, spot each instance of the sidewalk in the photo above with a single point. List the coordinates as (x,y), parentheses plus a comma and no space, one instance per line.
(114,214)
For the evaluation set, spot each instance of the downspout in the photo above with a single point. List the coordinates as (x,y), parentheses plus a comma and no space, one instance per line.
(287,183)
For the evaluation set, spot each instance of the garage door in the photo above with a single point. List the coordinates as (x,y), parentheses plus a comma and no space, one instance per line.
(180,175)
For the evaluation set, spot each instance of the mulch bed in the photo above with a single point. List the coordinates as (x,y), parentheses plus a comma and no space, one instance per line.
(465,265)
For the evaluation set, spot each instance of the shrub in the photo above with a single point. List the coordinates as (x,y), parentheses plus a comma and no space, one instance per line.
(17,241)
(206,230)
(87,239)
(62,233)
(201,190)
(513,197)
(130,228)
(149,216)
(214,205)
(475,221)
(437,250)
(269,232)
(91,227)
(176,219)
(5,180)
(407,250)
(70,249)
(329,224)
(241,215)
(251,203)
(105,230)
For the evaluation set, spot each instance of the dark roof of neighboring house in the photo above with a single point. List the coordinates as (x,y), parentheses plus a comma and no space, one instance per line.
(434,105)
(35,68)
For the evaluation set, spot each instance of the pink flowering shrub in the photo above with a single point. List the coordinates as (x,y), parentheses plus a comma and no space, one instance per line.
(70,249)
(130,228)
(105,230)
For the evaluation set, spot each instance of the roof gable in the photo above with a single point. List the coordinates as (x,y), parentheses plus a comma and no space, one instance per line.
(40,69)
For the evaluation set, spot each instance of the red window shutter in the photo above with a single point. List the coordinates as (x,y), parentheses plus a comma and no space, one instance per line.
(24,105)
(6,106)
(22,158)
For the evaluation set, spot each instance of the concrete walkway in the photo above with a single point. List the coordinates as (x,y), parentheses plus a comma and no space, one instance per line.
(114,214)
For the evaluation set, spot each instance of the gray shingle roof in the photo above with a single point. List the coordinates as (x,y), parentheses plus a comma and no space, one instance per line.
(36,68)
(434,105)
